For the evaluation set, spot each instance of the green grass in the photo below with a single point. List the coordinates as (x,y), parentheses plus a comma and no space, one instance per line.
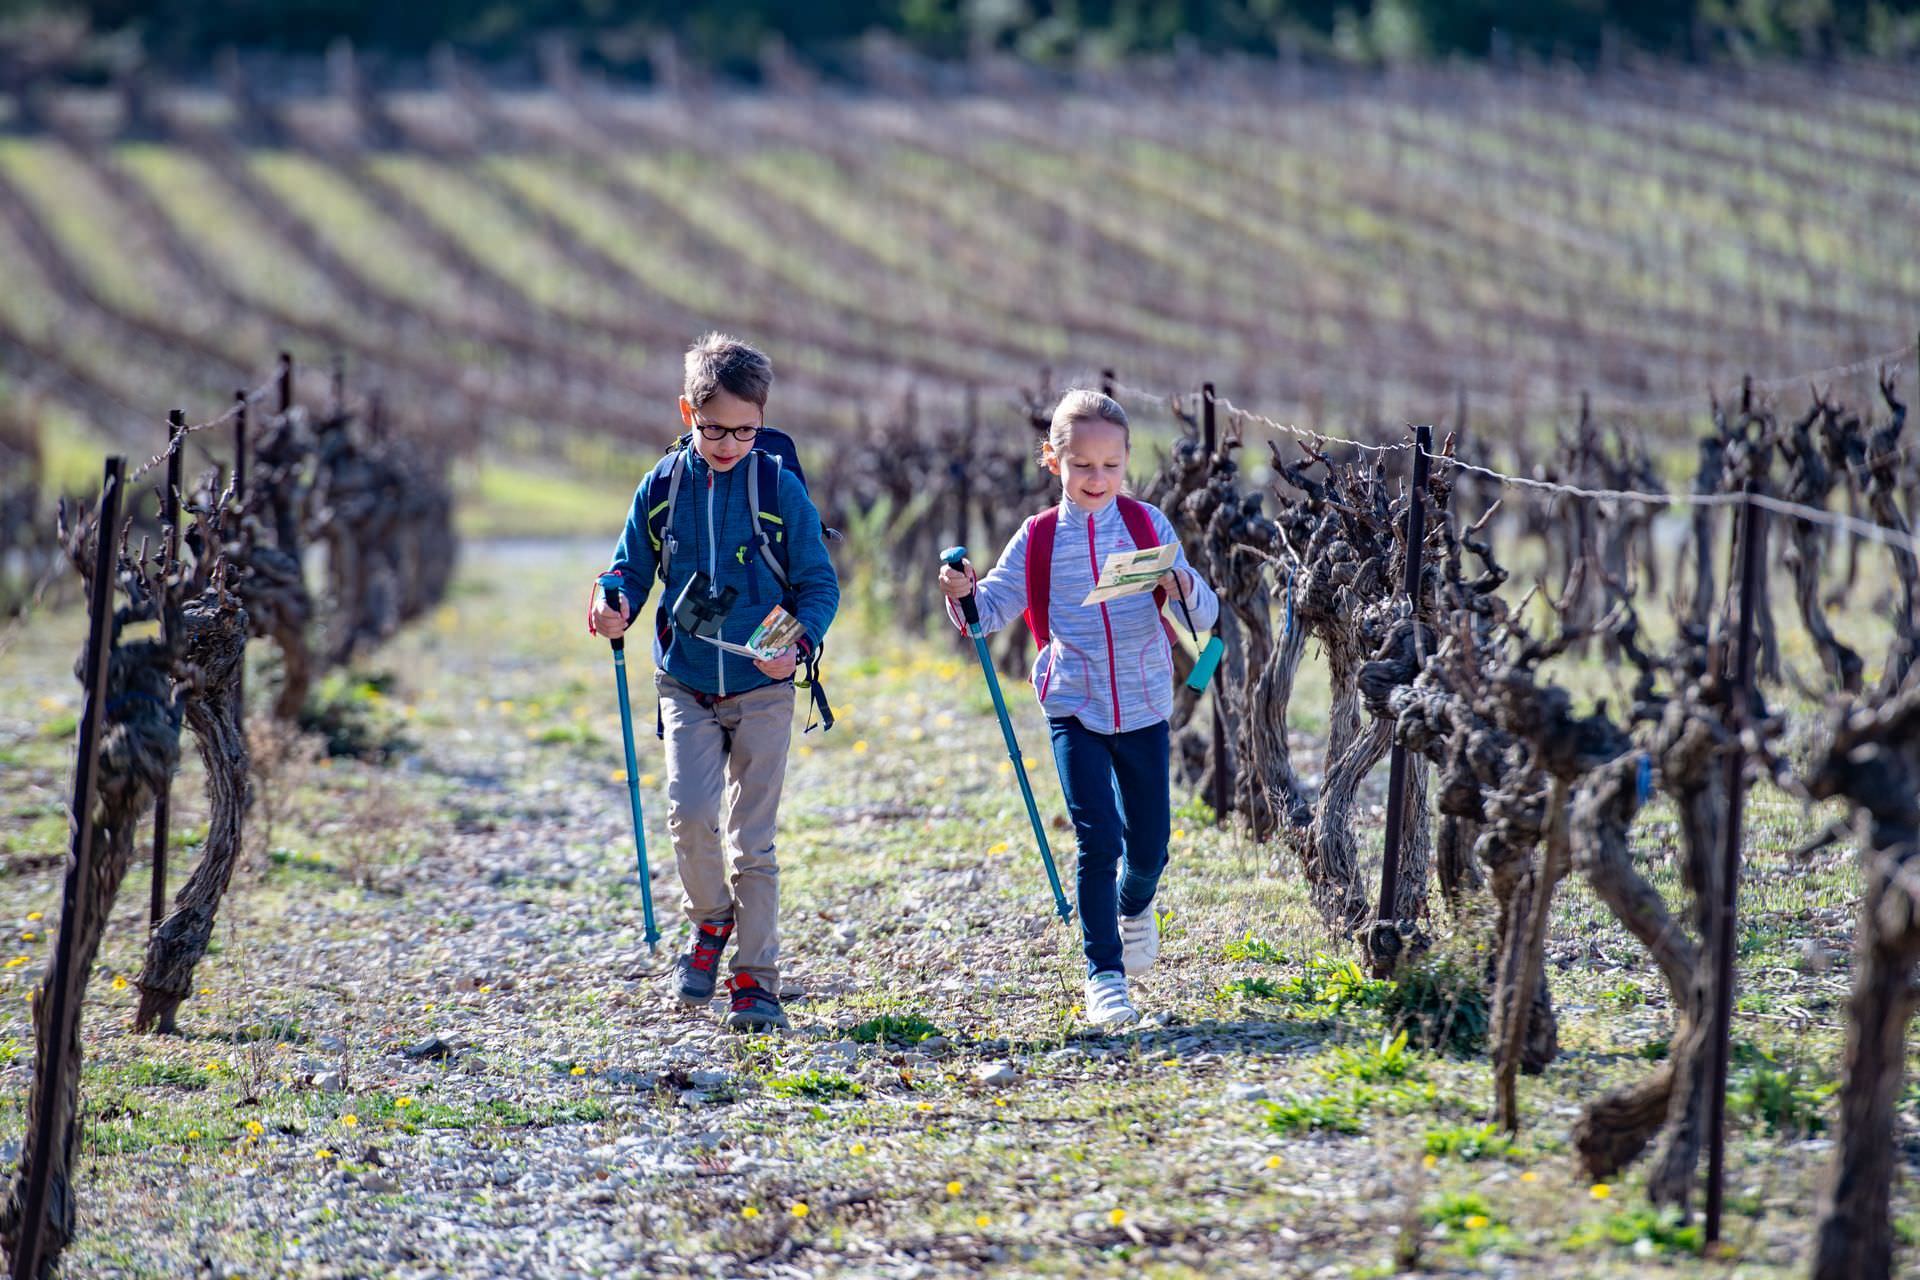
(516,499)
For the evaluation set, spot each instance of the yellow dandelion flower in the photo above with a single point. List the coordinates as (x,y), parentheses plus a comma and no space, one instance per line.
(940,781)
(34,915)
(192,1134)
(485,987)
(857,1149)
(1427,1162)
(1030,762)
(402,1103)
(1529,1176)
(323,1154)
(999,1102)
(926,1106)
(30,997)
(17,961)
(999,848)
(1180,835)
(579,1071)
(648,779)
(349,1120)
(799,1209)
(505,704)
(1476,1221)
(27,936)
(427,1007)
(1117,1217)
(954,1188)
(983,1221)
(206,991)
(1600,1191)
(619,775)
(749,1213)
(1274,1162)
(119,982)
(255,1128)
(860,747)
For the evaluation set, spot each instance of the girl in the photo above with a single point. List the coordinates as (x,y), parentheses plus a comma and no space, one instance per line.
(1105,679)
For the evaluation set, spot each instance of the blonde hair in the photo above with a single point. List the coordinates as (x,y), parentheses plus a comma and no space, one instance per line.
(1077,406)
(721,362)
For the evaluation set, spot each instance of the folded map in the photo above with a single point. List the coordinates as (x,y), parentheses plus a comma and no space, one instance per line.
(1131,572)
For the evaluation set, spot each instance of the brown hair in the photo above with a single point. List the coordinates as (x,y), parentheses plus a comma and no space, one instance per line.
(1077,406)
(720,362)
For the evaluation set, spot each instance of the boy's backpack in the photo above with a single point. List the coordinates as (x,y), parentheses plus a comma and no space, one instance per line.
(1040,534)
(773,452)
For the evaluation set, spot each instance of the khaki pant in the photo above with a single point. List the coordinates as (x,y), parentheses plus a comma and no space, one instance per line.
(699,765)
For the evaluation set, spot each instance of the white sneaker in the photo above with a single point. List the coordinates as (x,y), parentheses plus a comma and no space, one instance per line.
(1139,942)
(1107,1001)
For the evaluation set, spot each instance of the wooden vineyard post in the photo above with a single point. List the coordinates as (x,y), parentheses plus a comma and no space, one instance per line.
(239,504)
(1385,954)
(1223,780)
(59,1013)
(1751,555)
(162,802)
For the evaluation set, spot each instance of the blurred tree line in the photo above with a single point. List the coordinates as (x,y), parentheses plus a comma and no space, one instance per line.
(733,35)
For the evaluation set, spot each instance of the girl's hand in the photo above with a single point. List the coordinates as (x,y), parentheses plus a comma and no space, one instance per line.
(954,584)
(1178,584)
(780,666)
(607,624)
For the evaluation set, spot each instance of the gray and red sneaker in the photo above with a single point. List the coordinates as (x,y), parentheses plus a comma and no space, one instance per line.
(700,967)
(754,1007)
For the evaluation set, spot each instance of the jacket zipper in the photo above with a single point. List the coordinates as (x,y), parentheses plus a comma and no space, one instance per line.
(713,575)
(1113,671)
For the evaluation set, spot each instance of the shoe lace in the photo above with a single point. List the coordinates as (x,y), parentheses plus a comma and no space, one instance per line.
(707,949)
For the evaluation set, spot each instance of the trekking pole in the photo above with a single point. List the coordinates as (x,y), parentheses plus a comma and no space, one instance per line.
(609,586)
(952,558)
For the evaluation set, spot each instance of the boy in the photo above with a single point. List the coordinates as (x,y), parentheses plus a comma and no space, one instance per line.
(726,718)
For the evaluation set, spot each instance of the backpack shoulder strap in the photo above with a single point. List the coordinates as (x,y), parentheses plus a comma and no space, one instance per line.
(660,510)
(1139,522)
(776,563)
(1040,532)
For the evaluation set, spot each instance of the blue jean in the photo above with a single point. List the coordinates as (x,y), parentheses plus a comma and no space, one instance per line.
(1116,788)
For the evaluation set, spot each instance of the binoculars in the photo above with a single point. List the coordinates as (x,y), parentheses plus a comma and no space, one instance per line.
(698,611)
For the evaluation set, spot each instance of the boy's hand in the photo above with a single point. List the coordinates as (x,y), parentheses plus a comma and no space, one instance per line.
(1175,583)
(780,666)
(607,624)
(955,584)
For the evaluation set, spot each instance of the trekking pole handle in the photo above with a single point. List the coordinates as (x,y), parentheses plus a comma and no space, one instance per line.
(953,558)
(610,594)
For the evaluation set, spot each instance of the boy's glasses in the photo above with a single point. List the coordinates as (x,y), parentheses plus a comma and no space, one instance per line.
(714,431)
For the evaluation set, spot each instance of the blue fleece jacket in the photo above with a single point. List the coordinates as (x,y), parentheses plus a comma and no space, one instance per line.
(713,525)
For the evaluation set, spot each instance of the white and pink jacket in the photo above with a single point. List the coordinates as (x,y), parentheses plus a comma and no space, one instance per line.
(1109,665)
